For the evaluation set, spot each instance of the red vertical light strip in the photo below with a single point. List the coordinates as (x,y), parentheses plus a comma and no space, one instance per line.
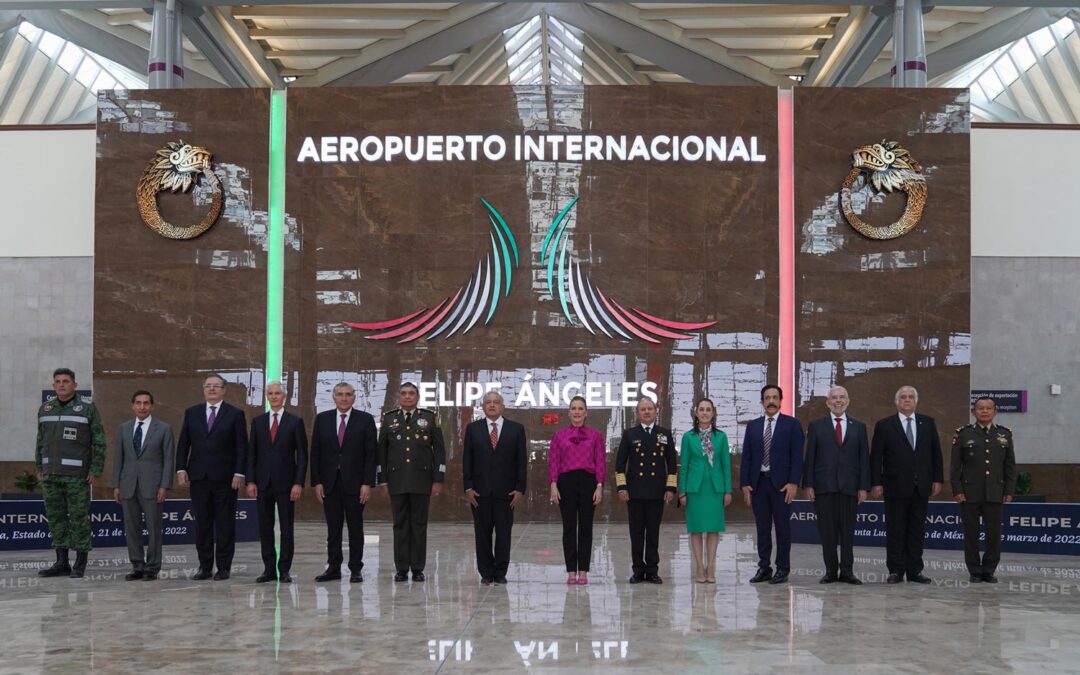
(786,151)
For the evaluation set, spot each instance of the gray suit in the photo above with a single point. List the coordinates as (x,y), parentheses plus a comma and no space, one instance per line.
(138,478)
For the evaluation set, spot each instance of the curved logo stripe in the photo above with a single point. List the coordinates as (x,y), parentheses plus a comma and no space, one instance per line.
(481,292)
(590,307)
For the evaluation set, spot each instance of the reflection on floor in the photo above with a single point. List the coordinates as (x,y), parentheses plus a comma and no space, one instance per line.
(1029,621)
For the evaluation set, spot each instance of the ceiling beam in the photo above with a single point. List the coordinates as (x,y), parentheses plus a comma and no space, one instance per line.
(13,84)
(699,61)
(964,44)
(134,4)
(237,32)
(41,84)
(618,65)
(721,11)
(756,53)
(955,15)
(208,36)
(478,57)
(1052,81)
(128,18)
(757,31)
(327,33)
(355,13)
(405,56)
(861,36)
(278,54)
(69,81)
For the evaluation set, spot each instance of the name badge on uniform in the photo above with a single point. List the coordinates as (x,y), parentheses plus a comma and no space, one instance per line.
(70,433)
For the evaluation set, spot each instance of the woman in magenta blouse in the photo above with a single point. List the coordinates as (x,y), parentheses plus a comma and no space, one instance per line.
(577,463)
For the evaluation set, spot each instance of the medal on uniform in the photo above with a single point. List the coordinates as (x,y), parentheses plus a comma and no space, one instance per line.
(421,422)
(661,439)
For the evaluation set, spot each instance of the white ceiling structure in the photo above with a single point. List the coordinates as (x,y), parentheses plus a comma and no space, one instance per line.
(1022,62)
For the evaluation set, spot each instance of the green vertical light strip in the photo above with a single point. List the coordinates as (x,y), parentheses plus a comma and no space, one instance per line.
(275,244)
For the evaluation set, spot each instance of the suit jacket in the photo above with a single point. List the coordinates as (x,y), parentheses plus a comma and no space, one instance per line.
(498,472)
(645,464)
(785,453)
(902,471)
(283,462)
(217,454)
(836,468)
(355,458)
(694,467)
(144,474)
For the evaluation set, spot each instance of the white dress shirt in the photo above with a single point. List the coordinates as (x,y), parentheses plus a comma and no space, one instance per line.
(843,424)
(914,427)
(145,427)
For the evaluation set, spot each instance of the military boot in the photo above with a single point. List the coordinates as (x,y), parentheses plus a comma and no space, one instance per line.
(79,567)
(60,567)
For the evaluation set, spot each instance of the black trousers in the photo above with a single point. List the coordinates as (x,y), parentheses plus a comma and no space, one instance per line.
(990,512)
(342,507)
(410,530)
(213,503)
(771,510)
(267,502)
(836,526)
(644,516)
(905,531)
(576,490)
(492,514)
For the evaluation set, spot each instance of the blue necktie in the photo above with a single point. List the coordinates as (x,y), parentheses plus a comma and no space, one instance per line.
(136,441)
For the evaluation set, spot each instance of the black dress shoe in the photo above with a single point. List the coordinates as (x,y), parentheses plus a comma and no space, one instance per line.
(401,576)
(263,578)
(500,581)
(919,578)
(894,578)
(485,581)
(827,579)
(221,575)
(202,575)
(653,579)
(989,578)
(637,578)
(850,579)
(418,576)
(134,575)
(763,574)
(328,576)
(285,579)
(149,575)
(356,578)
(976,578)
(779,578)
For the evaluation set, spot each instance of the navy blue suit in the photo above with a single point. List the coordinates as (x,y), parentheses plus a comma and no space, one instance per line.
(274,467)
(211,458)
(767,499)
(494,473)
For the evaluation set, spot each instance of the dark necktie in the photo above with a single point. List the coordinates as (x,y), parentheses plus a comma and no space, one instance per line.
(408,416)
(910,434)
(273,429)
(839,432)
(341,431)
(767,456)
(213,418)
(136,441)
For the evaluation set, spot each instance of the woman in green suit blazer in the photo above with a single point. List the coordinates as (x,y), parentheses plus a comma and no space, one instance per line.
(704,487)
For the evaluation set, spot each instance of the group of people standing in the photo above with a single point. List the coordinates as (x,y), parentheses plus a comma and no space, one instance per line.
(216,456)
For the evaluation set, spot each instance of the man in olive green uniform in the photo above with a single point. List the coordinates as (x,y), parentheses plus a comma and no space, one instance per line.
(412,461)
(70,456)
(983,476)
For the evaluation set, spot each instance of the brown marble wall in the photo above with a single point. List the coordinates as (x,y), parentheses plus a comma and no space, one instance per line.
(168,312)
(692,241)
(875,315)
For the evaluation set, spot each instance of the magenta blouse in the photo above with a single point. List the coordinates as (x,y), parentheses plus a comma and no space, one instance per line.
(575,448)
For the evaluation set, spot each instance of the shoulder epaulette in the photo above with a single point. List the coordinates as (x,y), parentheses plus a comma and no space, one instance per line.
(428,410)
(391,411)
(1002,426)
(959,429)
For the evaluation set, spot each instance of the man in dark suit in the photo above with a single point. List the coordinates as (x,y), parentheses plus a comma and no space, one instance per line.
(494,465)
(211,456)
(343,447)
(412,460)
(770,473)
(277,465)
(836,476)
(646,477)
(142,475)
(905,466)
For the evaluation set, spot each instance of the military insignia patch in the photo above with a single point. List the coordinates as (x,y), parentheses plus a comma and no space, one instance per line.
(48,407)
(421,422)
(78,408)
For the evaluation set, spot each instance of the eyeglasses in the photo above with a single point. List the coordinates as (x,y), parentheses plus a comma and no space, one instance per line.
(213,386)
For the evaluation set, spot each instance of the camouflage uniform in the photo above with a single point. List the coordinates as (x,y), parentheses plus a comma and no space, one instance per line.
(70,446)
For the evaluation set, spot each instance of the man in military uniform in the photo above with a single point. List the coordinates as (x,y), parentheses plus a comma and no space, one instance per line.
(646,476)
(412,462)
(70,456)
(983,476)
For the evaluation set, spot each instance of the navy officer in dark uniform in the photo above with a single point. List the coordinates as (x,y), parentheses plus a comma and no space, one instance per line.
(646,477)
(412,463)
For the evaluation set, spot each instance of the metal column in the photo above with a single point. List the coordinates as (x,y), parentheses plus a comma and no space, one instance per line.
(166,67)
(909,45)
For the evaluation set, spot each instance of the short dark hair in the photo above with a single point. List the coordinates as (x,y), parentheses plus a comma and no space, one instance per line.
(984,398)
(64,371)
(409,385)
(582,399)
(772,386)
(142,392)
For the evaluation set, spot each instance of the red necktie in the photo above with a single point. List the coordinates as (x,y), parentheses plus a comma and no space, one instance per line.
(273,429)
(341,431)
(839,432)
(494,435)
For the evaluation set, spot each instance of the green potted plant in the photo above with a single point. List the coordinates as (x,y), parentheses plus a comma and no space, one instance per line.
(1023,489)
(28,483)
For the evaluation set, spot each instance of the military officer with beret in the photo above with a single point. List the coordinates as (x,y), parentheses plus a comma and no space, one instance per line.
(412,463)
(70,456)
(983,476)
(646,477)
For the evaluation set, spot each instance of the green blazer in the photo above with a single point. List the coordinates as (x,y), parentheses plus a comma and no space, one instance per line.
(693,467)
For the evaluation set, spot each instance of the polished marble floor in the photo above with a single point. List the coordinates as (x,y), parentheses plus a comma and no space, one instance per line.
(1027,623)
